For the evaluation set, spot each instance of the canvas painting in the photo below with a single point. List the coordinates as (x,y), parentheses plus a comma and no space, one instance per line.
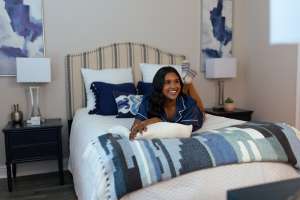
(21,32)
(216,30)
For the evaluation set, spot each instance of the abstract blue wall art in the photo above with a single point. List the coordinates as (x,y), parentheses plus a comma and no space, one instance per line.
(216,30)
(21,32)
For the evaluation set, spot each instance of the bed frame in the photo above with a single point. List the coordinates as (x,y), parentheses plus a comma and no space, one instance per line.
(117,55)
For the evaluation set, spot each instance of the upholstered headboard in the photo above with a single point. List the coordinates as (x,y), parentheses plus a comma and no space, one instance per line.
(120,55)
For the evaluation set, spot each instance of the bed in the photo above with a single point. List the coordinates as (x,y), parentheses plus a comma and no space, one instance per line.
(211,183)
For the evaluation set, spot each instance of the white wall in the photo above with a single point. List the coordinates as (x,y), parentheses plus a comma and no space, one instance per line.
(298,92)
(236,87)
(271,71)
(76,25)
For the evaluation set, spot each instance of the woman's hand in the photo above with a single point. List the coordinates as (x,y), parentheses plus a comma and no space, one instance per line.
(137,127)
(140,126)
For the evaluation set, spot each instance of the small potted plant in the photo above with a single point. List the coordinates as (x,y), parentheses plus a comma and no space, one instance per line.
(229,105)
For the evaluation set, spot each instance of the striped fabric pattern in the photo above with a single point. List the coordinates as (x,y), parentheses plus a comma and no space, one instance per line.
(131,165)
(120,55)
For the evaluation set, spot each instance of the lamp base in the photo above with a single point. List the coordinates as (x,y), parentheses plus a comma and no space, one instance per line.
(34,117)
(34,97)
(34,121)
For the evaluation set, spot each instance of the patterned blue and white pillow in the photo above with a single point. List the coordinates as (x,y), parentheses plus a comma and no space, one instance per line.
(128,104)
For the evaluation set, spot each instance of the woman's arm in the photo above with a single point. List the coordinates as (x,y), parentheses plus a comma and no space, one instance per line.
(193,116)
(140,126)
(190,90)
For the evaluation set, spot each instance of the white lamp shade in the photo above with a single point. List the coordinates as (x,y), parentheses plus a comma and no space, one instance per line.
(284,21)
(33,70)
(220,68)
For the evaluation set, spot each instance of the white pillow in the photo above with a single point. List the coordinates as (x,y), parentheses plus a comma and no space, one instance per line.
(166,130)
(121,130)
(149,70)
(113,76)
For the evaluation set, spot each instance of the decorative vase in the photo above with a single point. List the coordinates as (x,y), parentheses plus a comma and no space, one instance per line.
(229,107)
(16,115)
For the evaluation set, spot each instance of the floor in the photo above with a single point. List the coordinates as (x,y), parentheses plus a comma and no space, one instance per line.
(39,187)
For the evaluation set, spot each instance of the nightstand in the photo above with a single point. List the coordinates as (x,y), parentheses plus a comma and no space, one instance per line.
(240,114)
(27,143)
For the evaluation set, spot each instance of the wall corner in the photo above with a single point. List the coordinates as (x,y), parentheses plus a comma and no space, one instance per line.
(298,90)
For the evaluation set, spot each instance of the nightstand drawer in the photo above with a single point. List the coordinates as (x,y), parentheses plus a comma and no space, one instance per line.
(239,114)
(34,152)
(33,137)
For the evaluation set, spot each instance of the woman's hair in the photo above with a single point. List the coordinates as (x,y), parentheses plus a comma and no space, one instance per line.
(157,98)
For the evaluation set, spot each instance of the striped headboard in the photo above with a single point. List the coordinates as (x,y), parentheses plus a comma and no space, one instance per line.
(119,55)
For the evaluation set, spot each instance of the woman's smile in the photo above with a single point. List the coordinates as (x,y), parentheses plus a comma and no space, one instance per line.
(173,92)
(172,87)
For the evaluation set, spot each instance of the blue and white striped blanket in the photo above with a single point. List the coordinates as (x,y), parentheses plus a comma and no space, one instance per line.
(131,165)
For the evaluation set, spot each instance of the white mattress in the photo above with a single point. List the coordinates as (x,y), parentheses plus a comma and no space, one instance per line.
(87,127)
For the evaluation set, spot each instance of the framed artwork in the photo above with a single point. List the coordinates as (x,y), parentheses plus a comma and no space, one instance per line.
(216,29)
(22,32)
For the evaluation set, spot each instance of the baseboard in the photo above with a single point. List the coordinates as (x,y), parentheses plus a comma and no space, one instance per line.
(31,168)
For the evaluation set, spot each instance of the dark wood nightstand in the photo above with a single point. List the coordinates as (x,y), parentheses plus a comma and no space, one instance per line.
(27,143)
(240,114)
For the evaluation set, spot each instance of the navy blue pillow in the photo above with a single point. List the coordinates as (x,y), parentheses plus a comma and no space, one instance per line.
(105,101)
(144,88)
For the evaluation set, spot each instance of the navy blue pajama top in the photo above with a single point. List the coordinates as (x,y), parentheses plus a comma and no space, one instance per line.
(187,112)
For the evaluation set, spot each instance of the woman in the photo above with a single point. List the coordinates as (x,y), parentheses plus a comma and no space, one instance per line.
(167,103)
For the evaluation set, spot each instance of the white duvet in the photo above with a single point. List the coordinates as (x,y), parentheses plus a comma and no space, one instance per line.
(88,181)
(87,127)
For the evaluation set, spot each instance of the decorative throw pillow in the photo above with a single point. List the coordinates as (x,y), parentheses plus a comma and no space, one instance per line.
(149,70)
(166,130)
(144,88)
(105,101)
(113,76)
(127,104)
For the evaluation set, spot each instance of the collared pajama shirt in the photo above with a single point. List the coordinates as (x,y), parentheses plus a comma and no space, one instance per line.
(187,112)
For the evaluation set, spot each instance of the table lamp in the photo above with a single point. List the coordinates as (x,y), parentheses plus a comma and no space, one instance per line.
(220,69)
(34,71)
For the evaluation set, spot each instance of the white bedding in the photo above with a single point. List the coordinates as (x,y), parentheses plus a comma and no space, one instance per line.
(87,127)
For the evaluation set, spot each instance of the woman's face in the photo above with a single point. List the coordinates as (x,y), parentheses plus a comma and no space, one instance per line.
(172,87)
